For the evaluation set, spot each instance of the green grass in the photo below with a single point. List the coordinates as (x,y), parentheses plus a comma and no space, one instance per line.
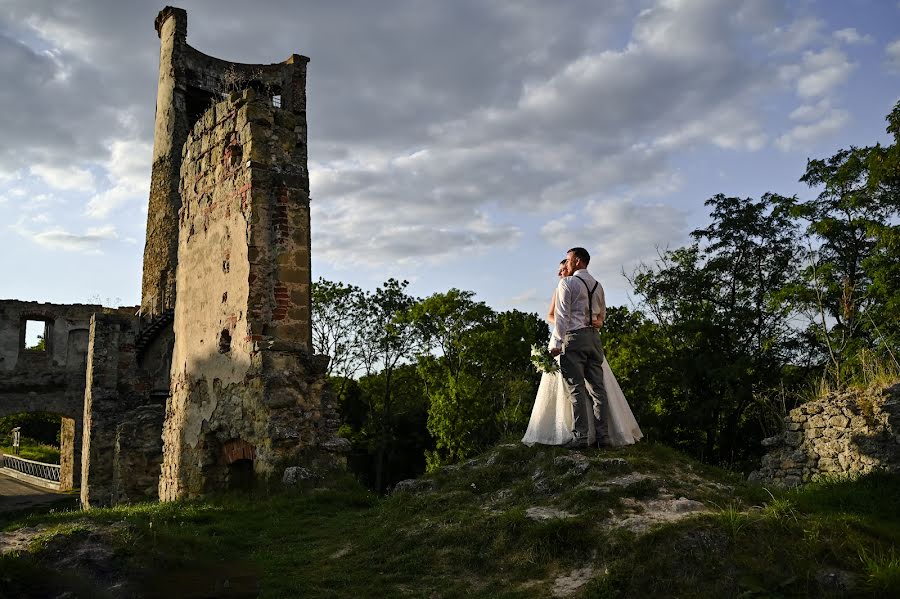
(32,450)
(470,536)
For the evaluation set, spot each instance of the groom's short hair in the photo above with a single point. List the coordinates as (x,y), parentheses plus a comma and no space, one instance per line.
(581,254)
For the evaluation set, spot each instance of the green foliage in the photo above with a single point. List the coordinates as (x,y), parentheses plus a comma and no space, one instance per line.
(31,449)
(478,380)
(848,291)
(41,427)
(41,344)
(407,440)
(720,332)
(336,313)
(882,570)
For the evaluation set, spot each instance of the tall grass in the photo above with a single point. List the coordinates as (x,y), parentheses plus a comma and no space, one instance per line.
(865,371)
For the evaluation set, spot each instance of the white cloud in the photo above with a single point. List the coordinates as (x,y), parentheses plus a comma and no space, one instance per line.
(851,36)
(68,178)
(799,34)
(804,135)
(89,242)
(811,112)
(892,52)
(128,170)
(527,297)
(618,233)
(818,73)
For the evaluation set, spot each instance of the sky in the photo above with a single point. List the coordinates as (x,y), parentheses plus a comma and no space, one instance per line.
(462,144)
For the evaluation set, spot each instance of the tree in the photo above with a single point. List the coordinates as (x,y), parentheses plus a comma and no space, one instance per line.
(362,415)
(458,409)
(723,320)
(501,353)
(851,279)
(336,312)
(387,337)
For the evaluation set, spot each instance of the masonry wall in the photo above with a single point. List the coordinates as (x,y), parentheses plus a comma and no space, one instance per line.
(189,83)
(115,386)
(246,394)
(845,434)
(51,380)
(137,454)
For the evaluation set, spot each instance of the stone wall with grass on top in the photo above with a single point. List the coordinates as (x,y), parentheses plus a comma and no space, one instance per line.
(843,434)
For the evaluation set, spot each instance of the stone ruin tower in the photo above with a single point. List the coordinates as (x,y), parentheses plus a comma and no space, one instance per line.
(227,271)
(210,382)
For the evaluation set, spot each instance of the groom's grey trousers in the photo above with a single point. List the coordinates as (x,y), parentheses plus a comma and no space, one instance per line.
(580,362)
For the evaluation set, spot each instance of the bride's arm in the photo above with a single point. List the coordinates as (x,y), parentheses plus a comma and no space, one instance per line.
(551,314)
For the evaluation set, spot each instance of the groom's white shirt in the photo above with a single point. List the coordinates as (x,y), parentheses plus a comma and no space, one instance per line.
(572,305)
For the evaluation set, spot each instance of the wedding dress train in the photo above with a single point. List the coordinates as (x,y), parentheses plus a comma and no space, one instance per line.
(552,421)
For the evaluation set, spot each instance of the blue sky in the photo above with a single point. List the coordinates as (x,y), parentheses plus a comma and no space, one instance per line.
(454,144)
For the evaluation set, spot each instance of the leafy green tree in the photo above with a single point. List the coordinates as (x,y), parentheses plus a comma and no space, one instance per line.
(502,354)
(723,322)
(408,439)
(336,313)
(458,409)
(40,426)
(387,337)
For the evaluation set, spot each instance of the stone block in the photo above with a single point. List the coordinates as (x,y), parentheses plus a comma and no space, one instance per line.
(793,438)
(816,422)
(838,421)
(295,475)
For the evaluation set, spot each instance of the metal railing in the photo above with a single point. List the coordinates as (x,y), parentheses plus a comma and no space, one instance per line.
(40,469)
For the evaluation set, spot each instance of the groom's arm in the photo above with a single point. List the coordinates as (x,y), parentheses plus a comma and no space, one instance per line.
(562,316)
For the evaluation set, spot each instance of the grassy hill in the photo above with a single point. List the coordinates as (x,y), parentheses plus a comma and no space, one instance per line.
(514,522)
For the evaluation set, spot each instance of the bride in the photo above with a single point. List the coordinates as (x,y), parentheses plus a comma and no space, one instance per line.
(551,417)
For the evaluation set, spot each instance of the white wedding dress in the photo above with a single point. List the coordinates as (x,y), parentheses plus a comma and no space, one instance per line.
(552,420)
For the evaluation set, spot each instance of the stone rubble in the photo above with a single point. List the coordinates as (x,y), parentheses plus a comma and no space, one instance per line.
(845,434)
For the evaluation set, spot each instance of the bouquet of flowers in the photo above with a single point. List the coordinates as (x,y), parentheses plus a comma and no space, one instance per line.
(542,360)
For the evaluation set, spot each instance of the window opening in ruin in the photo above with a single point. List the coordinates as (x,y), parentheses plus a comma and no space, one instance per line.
(224,342)
(276,100)
(36,335)
(240,475)
(197,102)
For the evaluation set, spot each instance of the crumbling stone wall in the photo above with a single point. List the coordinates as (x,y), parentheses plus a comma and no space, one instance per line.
(189,82)
(51,380)
(138,454)
(115,385)
(244,385)
(844,434)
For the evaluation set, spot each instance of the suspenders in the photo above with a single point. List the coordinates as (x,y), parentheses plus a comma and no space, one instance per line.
(590,299)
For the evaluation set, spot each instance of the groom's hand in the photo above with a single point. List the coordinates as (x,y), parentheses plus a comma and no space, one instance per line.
(555,351)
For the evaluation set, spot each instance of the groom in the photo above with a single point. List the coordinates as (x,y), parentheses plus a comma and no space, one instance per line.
(579,301)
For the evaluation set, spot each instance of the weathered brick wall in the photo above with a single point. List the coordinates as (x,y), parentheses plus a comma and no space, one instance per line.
(844,434)
(242,374)
(189,81)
